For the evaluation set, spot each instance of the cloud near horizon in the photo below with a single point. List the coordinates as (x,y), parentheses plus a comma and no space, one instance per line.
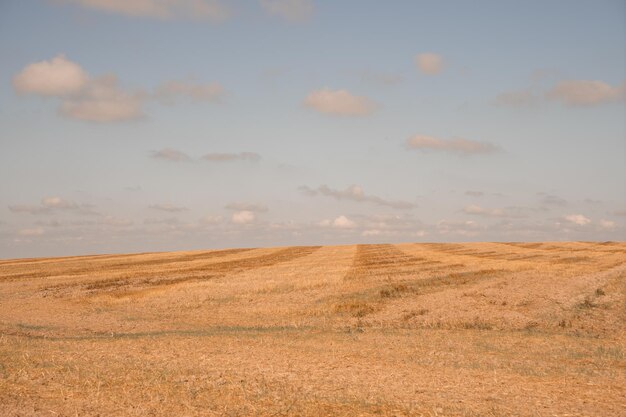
(355,193)
(339,102)
(462,146)
(211,10)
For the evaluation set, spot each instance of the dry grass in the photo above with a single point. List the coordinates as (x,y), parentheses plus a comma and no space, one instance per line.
(489,329)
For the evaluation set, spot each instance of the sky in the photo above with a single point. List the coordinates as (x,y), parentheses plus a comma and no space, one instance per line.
(157,125)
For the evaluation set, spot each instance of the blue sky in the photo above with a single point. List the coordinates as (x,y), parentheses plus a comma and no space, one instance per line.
(143,125)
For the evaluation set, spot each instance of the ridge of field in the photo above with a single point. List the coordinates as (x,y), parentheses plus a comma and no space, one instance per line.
(472,329)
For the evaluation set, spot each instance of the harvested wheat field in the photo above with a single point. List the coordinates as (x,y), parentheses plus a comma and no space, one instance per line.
(485,329)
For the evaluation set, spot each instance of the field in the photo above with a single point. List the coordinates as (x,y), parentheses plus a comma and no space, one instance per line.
(481,329)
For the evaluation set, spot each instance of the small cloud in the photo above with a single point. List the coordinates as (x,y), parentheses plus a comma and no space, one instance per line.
(212,10)
(339,102)
(167,207)
(429,63)
(371,232)
(257,208)
(56,77)
(607,224)
(619,213)
(355,193)
(103,101)
(171,155)
(38,231)
(57,203)
(473,209)
(243,217)
(227,157)
(172,90)
(586,92)
(290,10)
(462,146)
(342,222)
(474,193)
(467,228)
(53,204)
(578,219)
(133,188)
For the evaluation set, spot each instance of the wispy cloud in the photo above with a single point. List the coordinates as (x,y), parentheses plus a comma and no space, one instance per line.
(228,157)
(429,63)
(172,90)
(355,193)
(461,146)
(239,206)
(167,207)
(212,10)
(474,193)
(512,212)
(53,204)
(290,10)
(171,155)
(339,102)
(552,200)
(586,92)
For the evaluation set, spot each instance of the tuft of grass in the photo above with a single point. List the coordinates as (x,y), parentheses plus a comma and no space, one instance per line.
(355,308)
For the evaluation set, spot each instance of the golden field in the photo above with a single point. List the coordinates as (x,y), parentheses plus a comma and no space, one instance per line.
(480,329)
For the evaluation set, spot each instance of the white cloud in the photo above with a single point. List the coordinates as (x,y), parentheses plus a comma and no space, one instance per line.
(339,102)
(56,77)
(578,219)
(607,224)
(371,232)
(102,100)
(243,217)
(212,10)
(167,207)
(342,222)
(429,63)
(171,90)
(290,10)
(468,228)
(355,193)
(586,92)
(226,157)
(38,231)
(463,146)
(171,155)
(82,97)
